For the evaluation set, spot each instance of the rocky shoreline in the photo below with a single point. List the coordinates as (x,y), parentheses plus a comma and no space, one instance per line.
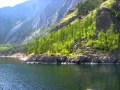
(82,59)
(63,60)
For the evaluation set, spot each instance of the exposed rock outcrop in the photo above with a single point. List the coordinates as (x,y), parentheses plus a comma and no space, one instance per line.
(105,19)
(74,46)
(116,6)
(45,59)
(31,16)
(82,59)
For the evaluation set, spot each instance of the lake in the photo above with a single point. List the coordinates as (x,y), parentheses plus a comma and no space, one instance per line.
(15,75)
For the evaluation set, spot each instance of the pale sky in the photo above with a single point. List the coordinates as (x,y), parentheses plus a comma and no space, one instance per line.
(11,3)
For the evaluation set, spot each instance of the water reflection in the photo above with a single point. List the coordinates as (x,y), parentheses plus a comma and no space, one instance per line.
(15,75)
(99,77)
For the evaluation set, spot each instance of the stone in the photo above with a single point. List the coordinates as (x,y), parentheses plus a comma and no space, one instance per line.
(116,6)
(104,19)
(83,59)
(47,59)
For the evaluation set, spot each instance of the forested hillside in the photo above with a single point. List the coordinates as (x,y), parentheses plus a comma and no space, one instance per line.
(92,28)
(84,36)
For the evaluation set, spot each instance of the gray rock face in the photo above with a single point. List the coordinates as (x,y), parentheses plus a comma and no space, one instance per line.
(44,59)
(105,19)
(82,59)
(19,22)
(116,6)
(74,46)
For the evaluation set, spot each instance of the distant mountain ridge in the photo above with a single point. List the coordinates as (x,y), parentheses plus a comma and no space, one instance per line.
(19,22)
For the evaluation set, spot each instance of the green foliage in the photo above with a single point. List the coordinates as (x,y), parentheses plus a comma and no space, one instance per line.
(4,49)
(88,5)
(60,42)
(115,13)
(108,41)
(107,4)
(90,42)
(80,34)
(12,49)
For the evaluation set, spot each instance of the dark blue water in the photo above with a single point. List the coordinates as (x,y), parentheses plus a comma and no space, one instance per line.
(15,75)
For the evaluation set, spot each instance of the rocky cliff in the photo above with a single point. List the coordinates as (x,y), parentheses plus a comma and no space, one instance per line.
(107,17)
(19,22)
(83,50)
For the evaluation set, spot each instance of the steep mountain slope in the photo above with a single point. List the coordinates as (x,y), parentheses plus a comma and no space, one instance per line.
(19,22)
(92,37)
(84,37)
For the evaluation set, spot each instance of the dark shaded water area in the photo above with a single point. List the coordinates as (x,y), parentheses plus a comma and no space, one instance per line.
(15,75)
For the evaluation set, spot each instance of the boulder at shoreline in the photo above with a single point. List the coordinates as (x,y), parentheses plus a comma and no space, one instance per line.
(81,59)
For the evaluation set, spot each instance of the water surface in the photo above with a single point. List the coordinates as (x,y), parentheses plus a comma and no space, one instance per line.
(15,75)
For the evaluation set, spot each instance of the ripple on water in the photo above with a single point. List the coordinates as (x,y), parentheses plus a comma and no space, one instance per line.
(18,76)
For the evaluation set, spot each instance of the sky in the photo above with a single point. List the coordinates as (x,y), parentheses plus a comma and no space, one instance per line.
(11,3)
